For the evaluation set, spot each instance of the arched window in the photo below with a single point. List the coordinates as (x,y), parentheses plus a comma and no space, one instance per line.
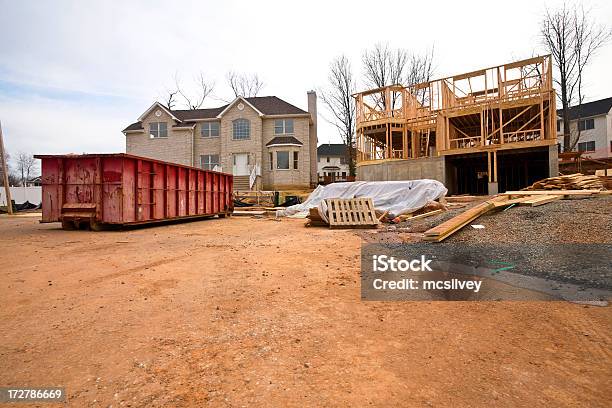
(241,129)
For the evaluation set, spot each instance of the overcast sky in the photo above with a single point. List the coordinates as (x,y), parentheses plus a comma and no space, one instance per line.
(73,74)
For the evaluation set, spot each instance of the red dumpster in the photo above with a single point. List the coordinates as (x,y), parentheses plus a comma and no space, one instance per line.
(122,189)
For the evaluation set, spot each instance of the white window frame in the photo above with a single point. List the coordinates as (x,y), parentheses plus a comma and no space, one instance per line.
(295,159)
(281,127)
(586,144)
(235,127)
(155,130)
(209,164)
(288,160)
(585,121)
(206,130)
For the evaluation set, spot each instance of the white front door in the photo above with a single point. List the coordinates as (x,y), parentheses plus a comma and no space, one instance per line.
(241,164)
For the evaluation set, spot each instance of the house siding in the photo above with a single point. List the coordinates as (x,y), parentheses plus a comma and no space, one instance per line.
(601,135)
(176,148)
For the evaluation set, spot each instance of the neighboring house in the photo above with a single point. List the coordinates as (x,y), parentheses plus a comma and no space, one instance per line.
(265,142)
(332,163)
(594,120)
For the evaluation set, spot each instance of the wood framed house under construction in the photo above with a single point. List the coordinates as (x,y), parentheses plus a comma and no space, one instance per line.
(478,132)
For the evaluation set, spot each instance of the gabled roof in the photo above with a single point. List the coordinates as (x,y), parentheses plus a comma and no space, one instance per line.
(595,108)
(284,140)
(158,106)
(328,149)
(239,98)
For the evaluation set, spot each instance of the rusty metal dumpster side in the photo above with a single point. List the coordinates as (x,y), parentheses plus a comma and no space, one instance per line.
(125,189)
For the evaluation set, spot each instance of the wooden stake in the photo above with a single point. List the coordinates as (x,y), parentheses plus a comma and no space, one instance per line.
(7,189)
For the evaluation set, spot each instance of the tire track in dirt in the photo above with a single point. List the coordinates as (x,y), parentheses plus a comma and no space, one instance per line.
(138,268)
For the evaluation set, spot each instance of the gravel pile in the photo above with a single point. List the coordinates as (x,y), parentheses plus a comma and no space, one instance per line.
(565,240)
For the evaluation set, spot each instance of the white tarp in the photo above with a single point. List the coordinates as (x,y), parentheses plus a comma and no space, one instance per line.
(397,197)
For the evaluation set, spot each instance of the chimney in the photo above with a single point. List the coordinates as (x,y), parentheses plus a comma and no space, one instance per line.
(313,140)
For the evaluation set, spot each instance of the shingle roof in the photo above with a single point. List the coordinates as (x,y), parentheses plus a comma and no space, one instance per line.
(332,150)
(192,114)
(271,105)
(600,107)
(268,105)
(280,140)
(134,126)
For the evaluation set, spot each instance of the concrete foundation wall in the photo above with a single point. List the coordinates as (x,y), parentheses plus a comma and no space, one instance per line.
(553,161)
(423,168)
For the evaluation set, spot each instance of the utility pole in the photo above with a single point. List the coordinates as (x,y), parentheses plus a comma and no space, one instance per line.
(4,170)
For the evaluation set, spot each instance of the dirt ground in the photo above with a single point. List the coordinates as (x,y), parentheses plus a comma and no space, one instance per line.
(257,312)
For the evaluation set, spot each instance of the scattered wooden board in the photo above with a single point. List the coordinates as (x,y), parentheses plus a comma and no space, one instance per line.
(447,228)
(507,202)
(351,213)
(540,200)
(248,213)
(409,217)
(460,199)
(552,192)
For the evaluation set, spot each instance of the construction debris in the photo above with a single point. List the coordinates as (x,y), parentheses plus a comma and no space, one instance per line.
(446,229)
(577,181)
(507,200)
(344,213)
(410,217)
(351,213)
(396,197)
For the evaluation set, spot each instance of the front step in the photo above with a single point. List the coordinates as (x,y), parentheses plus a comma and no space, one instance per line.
(241,183)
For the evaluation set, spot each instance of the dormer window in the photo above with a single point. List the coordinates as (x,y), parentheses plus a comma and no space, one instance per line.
(283,126)
(158,129)
(210,129)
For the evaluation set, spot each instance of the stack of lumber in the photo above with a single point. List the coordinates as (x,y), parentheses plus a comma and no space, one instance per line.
(605,176)
(577,181)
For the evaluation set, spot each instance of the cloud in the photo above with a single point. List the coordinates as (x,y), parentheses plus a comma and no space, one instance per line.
(96,65)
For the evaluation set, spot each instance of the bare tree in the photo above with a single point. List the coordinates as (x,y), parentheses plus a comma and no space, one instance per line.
(420,69)
(26,166)
(572,40)
(171,98)
(196,99)
(339,100)
(383,66)
(244,85)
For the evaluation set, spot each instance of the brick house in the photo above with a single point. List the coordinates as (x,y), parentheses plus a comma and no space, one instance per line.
(267,143)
